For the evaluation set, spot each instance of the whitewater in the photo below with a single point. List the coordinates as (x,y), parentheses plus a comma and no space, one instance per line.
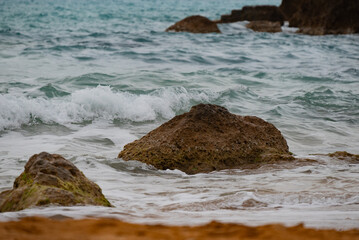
(84,78)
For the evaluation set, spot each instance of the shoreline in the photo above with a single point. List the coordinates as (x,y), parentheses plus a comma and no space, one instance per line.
(104,228)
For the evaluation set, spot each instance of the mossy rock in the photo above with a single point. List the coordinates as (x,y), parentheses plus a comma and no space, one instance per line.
(209,138)
(51,179)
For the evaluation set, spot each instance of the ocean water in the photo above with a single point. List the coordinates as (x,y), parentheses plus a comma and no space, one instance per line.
(84,78)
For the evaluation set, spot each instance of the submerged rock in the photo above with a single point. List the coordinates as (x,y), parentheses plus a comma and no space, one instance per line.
(209,138)
(342,155)
(195,24)
(255,13)
(319,17)
(51,179)
(265,26)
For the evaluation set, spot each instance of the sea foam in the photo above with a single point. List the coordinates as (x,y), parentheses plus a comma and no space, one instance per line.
(101,102)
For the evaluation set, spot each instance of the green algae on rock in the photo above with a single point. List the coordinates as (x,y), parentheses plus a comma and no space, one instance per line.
(209,138)
(51,179)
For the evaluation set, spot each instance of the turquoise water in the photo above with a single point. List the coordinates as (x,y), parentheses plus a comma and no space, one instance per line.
(83,78)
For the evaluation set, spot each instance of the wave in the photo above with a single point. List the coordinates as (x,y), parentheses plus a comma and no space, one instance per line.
(249,200)
(101,102)
(330,104)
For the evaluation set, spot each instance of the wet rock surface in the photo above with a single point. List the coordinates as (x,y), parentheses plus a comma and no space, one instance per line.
(255,13)
(265,26)
(209,138)
(342,155)
(195,24)
(289,7)
(313,17)
(51,179)
(319,17)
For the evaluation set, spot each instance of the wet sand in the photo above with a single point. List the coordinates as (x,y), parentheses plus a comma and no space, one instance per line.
(108,229)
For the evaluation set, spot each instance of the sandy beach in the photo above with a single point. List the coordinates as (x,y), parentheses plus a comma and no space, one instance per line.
(107,229)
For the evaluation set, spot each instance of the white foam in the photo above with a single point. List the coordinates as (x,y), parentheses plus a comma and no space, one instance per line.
(166,197)
(88,140)
(101,102)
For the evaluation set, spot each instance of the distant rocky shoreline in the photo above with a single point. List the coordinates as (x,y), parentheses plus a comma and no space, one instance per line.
(313,17)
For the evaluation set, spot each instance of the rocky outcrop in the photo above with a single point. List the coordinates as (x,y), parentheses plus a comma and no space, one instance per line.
(319,17)
(195,24)
(254,13)
(289,7)
(265,26)
(314,17)
(51,179)
(209,138)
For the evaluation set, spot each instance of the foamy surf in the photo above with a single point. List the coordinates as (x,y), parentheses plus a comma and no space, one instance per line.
(143,194)
(101,102)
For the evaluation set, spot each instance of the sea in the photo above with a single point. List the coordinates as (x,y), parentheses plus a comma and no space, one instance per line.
(82,78)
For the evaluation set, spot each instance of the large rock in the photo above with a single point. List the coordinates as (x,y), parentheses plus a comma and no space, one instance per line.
(289,7)
(318,17)
(254,13)
(195,24)
(265,26)
(51,179)
(209,138)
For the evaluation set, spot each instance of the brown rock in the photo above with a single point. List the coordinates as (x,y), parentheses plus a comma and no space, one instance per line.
(342,155)
(255,13)
(51,179)
(195,24)
(289,7)
(265,26)
(319,17)
(209,138)
(253,203)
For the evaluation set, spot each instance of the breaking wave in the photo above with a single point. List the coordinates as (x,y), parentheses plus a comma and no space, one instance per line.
(101,102)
